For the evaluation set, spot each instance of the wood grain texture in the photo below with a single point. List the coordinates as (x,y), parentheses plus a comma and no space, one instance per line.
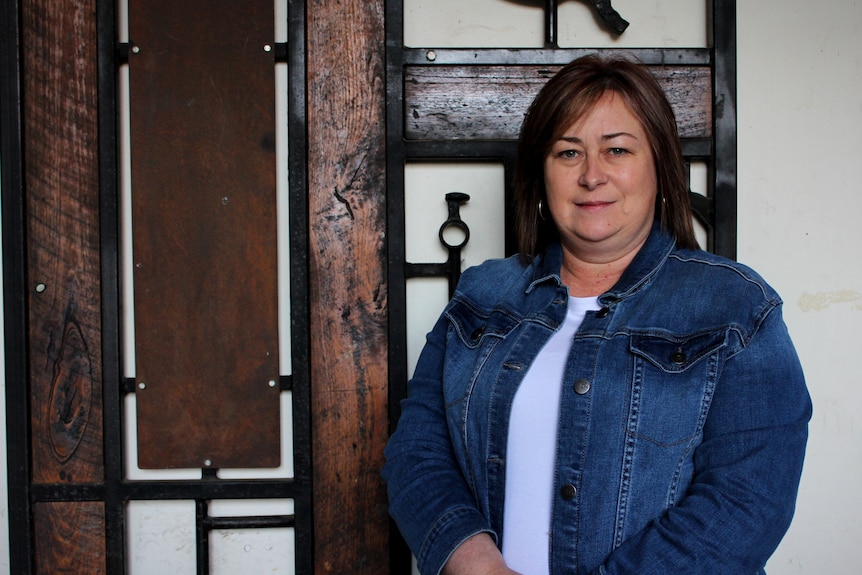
(69,537)
(489,102)
(202,124)
(62,188)
(347,262)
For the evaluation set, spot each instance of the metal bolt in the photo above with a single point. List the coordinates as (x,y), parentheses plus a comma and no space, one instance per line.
(267,48)
(431,55)
(208,462)
(40,287)
(142,385)
(136,49)
(272,383)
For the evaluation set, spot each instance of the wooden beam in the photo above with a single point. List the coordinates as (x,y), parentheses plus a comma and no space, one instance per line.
(489,102)
(347,258)
(62,188)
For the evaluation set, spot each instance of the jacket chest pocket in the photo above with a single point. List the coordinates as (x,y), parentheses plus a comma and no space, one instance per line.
(673,382)
(472,336)
(472,326)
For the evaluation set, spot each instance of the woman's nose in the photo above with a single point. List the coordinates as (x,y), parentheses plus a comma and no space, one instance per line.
(593,174)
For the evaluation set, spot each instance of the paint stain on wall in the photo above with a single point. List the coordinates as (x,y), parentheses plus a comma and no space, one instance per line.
(821,300)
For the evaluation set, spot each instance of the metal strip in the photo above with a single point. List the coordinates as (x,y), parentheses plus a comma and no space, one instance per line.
(109,220)
(14,294)
(400,558)
(300,343)
(724,130)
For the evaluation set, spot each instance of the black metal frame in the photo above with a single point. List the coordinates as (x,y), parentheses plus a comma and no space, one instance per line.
(717,211)
(14,293)
(116,491)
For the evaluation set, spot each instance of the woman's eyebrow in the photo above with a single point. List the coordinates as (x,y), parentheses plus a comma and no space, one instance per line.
(577,140)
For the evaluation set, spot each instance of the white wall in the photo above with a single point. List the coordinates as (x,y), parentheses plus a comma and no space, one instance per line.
(799,118)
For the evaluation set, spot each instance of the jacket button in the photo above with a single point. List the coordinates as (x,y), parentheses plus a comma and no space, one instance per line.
(568,492)
(603,312)
(477,333)
(678,357)
(582,386)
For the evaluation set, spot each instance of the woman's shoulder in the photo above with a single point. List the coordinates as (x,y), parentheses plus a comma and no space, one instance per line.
(488,281)
(717,273)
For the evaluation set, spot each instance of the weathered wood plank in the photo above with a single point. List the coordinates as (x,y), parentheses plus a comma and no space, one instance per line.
(69,537)
(61,179)
(347,262)
(202,100)
(489,102)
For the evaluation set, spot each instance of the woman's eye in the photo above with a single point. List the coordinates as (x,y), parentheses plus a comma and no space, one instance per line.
(617,151)
(569,154)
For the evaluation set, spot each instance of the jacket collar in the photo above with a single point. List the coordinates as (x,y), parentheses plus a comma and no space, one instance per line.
(546,268)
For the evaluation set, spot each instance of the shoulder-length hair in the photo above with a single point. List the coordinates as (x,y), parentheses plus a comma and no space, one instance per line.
(568,96)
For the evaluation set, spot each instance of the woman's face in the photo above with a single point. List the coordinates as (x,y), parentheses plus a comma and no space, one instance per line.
(601,183)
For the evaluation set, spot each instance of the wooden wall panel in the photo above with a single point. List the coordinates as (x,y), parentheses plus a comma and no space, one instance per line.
(62,202)
(69,537)
(347,258)
(202,100)
(489,102)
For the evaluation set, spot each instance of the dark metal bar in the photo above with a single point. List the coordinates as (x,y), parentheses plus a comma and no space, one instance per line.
(551,24)
(396,155)
(202,542)
(14,293)
(280,51)
(724,126)
(301,486)
(171,490)
(559,56)
(493,150)
(250,522)
(109,236)
(396,55)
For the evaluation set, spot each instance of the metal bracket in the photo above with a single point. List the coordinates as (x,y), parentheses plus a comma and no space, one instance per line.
(451,268)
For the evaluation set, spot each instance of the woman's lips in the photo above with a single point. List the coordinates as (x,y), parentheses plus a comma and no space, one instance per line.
(593,204)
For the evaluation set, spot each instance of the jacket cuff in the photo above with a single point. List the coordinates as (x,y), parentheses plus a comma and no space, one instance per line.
(450,531)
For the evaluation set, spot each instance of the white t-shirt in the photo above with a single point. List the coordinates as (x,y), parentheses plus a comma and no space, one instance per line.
(532,446)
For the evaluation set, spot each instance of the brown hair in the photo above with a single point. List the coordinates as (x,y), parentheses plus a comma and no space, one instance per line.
(568,96)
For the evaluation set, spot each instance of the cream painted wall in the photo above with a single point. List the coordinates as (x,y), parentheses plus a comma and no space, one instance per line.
(799,113)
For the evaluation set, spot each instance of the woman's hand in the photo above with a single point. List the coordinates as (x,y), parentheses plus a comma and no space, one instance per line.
(477,556)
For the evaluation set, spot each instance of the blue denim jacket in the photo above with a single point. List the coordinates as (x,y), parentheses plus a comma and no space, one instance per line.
(683,417)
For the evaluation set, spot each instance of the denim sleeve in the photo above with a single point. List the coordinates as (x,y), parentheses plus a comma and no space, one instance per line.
(747,469)
(429,498)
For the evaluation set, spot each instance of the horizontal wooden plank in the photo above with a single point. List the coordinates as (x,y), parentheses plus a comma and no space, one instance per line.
(489,102)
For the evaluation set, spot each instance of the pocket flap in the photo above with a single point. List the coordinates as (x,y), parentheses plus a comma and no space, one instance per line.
(677,353)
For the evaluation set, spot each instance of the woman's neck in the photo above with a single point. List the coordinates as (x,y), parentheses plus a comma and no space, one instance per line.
(589,278)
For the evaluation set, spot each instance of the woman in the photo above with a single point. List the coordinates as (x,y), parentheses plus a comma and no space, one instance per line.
(613,400)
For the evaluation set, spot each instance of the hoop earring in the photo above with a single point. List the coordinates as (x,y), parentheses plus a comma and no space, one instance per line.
(541,215)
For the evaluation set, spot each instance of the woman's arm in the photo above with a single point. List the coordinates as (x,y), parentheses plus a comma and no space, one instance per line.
(747,470)
(429,497)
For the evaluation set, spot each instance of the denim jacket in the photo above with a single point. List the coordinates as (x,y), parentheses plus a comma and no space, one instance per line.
(682,428)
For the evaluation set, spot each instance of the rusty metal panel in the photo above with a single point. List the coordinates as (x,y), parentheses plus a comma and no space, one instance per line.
(489,102)
(202,101)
